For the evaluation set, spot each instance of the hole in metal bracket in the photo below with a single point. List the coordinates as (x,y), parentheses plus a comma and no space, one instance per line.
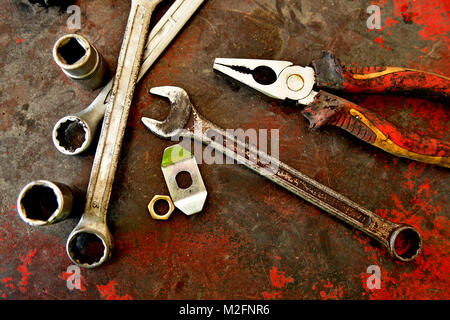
(184,179)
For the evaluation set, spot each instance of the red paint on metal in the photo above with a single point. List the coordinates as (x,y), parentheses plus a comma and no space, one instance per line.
(437,120)
(18,269)
(271,295)
(279,281)
(7,279)
(328,291)
(109,292)
(24,269)
(187,250)
(415,169)
(391,22)
(432,15)
(426,277)
(379,40)
(8,282)
(422,200)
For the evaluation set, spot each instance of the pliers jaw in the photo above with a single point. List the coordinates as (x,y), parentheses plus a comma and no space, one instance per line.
(277,79)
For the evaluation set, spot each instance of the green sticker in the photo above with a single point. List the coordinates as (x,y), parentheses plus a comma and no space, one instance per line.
(174,154)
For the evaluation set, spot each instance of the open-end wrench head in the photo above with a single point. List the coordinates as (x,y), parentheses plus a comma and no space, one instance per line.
(180,111)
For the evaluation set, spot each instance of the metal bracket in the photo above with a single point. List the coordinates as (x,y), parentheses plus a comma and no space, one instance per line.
(176,160)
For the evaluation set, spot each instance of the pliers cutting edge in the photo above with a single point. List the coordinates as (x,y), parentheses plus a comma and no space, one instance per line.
(284,80)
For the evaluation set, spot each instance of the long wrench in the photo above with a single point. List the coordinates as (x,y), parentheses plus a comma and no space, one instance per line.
(402,241)
(74,134)
(90,243)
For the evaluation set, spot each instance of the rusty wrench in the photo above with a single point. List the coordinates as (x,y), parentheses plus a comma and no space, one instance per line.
(402,241)
(90,243)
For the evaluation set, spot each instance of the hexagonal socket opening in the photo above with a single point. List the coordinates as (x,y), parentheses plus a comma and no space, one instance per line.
(39,203)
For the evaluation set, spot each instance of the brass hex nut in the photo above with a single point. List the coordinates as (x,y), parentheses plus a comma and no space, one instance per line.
(151,207)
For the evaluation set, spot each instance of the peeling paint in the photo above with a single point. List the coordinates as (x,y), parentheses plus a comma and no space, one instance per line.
(109,292)
(23,269)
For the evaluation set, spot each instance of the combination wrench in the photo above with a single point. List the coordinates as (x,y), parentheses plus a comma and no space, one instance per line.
(90,243)
(402,241)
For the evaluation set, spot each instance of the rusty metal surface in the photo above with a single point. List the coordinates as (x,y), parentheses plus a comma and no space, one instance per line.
(252,239)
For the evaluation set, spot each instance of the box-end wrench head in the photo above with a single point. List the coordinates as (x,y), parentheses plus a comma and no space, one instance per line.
(403,241)
(90,244)
(74,134)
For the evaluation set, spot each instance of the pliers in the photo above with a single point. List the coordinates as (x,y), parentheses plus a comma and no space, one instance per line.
(284,80)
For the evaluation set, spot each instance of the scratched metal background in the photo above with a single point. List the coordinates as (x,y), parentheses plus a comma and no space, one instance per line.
(253,239)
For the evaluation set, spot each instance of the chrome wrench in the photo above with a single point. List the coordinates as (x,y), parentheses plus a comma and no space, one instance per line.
(74,134)
(90,243)
(402,241)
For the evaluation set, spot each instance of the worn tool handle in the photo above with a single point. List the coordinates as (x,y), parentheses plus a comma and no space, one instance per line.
(328,109)
(331,74)
(90,244)
(402,241)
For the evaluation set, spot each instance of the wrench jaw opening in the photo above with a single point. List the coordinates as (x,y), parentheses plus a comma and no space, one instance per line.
(405,243)
(179,116)
(90,244)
